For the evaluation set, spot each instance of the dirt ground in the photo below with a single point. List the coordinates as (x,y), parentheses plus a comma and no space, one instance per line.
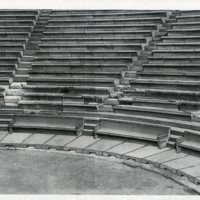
(33,172)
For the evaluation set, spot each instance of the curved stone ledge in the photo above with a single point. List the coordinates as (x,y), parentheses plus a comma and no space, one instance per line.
(168,160)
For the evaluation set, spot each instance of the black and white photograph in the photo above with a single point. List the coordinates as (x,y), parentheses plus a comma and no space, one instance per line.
(99,100)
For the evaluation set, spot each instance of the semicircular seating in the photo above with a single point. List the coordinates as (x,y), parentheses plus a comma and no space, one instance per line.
(110,82)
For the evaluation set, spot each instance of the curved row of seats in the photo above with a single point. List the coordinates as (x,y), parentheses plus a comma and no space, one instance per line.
(124,75)
(82,56)
(15,29)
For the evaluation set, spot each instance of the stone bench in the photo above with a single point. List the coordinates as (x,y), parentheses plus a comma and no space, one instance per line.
(175,59)
(91,47)
(15,28)
(171,67)
(181,38)
(133,130)
(165,84)
(75,68)
(81,53)
(10,53)
(183,32)
(150,102)
(144,20)
(152,111)
(13,40)
(140,33)
(79,40)
(8,67)
(18,17)
(179,45)
(18,12)
(188,18)
(73,81)
(16,22)
(102,27)
(176,53)
(81,74)
(5,60)
(78,90)
(12,34)
(46,124)
(184,25)
(92,59)
(13,47)
(190,140)
(109,15)
(169,75)
(164,94)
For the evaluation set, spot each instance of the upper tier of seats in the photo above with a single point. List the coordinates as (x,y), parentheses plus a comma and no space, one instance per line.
(15,30)
(82,55)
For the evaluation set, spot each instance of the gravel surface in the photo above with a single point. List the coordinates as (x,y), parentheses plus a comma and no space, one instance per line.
(35,172)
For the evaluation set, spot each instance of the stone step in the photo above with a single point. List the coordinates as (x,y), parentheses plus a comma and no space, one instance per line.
(109,15)
(102,27)
(21,12)
(180,38)
(11,54)
(15,29)
(144,20)
(84,74)
(11,34)
(56,81)
(179,45)
(183,59)
(183,32)
(95,40)
(172,67)
(152,111)
(68,89)
(90,46)
(40,105)
(80,107)
(86,53)
(76,68)
(87,34)
(83,60)
(185,25)
(188,18)
(165,84)
(8,73)
(16,22)
(160,103)
(6,60)
(20,17)
(13,40)
(190,76)
(179,53)
(164,94)
(12,47)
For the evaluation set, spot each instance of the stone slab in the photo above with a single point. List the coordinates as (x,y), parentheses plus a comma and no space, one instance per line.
(15,138)
(38,139)
(80,143)
(123,148)
(60,141)
(3,134)
(164,157)
(101,146)
(193,173)
(181,163)
(144,152)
